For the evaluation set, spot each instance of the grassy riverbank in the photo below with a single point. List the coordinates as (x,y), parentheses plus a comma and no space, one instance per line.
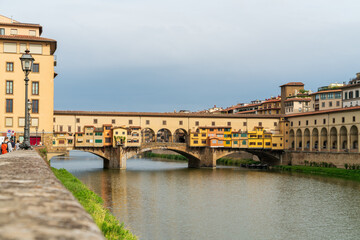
(325,171)
(93,204)
(167,156)
(235,162)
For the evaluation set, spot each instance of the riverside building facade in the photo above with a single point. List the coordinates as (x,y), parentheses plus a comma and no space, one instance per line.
(15,38)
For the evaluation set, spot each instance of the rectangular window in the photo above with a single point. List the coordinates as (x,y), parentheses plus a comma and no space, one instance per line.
(203,141)
(79,130)
(330,95)
(197,123)
(324,121)
(108,140)
(330,104)
(338,103)
(354,118)
(78,121)
(299,123)
(9,105)
(9,87)
(13,31)
(322,104)
(2,31)
(9,66)
(35,106)
(315,122)
(36,68)
(244,124)
(333,120)
(164,122)
(95,121)
(235,142)
(61,128)
(22,47)
(357,93)
(98,140)
(21,122)
(343,119)
(229,124)
(8,122)
(346,95)
(69,128)
(260,124)
(275,124)
(113,121)
(35,48)
(323,96)
(35,88)
(196,141)
(180,122)
(147,122)
(10,47)
(212,123)
(338,95)
(307,122)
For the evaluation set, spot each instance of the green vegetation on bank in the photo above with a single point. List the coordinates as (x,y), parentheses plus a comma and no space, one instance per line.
(93,204)
(167,156)
(325,171)
(235,162)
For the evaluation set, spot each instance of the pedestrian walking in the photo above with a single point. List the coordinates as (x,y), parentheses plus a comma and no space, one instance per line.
(13,144)
(17,145)
(3,148)
(9,149)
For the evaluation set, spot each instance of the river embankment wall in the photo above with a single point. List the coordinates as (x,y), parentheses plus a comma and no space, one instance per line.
(35,205)
(338,159)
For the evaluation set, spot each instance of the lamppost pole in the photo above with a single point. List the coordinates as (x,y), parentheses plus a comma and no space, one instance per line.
(26,64)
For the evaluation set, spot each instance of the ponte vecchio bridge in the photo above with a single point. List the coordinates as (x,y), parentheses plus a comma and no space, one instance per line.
(173,123)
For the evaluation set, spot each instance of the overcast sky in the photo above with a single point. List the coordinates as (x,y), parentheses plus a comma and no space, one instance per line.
(162,55)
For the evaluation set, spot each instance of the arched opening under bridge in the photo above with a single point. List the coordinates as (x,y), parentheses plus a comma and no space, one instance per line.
(180,136)
(163,135)
(147,135)
(354,138)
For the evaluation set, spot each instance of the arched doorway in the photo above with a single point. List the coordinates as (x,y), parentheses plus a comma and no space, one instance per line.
(354,135)
(180,136)
(292,139)
(333,138)
(343,138)
(307,139)
(163,135)
(323,139)
(298,139)
(147,135)
(315,139)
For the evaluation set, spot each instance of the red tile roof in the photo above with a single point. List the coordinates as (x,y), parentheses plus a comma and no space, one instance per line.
(293,84)
(298,99)
(26,38)
(327,91)
(324,111)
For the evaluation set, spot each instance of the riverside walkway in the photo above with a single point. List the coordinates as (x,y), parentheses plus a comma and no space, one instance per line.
(35,205)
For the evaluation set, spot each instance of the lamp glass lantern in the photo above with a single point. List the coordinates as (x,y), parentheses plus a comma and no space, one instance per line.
(27,61)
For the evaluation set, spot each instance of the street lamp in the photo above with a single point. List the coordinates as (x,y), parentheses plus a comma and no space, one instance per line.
(26,63)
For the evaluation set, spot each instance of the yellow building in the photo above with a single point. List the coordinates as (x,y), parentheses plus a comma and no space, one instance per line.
(199,138)
(277,142)
(244,141)
(256,139)
(62,139)
(227,137)
(15,38)
(267,140)
(120,136)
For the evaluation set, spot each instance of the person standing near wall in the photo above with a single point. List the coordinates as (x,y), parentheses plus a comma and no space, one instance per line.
(3,148)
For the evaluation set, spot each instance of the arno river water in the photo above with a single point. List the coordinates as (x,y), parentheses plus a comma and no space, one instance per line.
(166,200)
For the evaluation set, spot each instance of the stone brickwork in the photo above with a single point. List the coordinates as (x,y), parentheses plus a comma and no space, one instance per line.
(35,205)
(339,159)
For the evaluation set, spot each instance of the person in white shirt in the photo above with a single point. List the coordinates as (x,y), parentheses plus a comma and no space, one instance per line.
(9,146)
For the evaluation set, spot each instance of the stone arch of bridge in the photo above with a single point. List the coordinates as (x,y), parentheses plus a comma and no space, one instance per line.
(147,135)
(163,135)
(269,157)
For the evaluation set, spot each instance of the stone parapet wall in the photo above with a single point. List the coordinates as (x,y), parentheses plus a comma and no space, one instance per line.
(35,205)
(338,159)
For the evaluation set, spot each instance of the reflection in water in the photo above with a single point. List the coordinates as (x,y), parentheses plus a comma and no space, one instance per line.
(166,200)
